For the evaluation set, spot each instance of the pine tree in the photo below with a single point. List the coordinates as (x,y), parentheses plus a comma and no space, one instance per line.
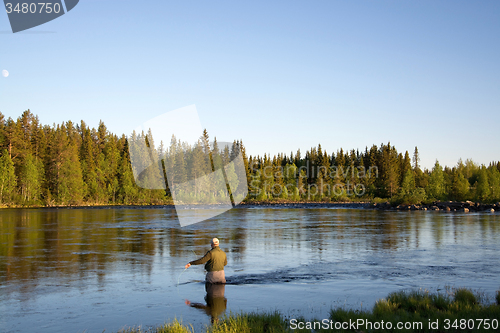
(405,165)
(89,165)
(8,180)
(17,146)
(245,164)
(389,169)
(64,172)
(110,167)
(198,167)
(70,186)
(340,166)
(38,141)
(372,171)
(2,132)
(298,161)
(127,189)
(267,177)
(416,160)
(278,183)
(323,178)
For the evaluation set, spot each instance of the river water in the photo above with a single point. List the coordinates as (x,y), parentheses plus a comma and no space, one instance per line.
(76,270)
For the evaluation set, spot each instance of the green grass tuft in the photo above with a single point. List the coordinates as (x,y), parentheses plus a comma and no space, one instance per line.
(465,296)
(250,322)
(173,327)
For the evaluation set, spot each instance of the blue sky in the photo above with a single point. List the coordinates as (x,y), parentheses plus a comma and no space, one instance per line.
(280,76)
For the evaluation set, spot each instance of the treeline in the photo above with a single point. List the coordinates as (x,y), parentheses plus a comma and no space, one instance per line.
(189,168)
(66,164)
(377,173)
(72,164)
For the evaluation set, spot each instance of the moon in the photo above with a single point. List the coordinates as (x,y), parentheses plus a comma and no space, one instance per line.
(5,73)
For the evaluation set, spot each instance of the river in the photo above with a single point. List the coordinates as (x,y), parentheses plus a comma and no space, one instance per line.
(95,269)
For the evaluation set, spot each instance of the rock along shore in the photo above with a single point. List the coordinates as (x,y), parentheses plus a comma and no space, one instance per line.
(449,206)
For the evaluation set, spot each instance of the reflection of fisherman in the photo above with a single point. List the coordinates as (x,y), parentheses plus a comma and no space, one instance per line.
(214,261)
(216,302)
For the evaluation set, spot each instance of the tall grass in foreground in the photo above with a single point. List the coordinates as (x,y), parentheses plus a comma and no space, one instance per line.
(457,311)
(451,311)
(251,322)
(174,327)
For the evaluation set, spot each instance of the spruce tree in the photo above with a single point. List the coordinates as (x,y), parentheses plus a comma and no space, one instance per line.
(127,189)
(2,132)
(416,159)
(389,169)
(245,164)
(405,165)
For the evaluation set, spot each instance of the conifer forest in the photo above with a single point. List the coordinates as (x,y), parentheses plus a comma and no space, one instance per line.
(73,164)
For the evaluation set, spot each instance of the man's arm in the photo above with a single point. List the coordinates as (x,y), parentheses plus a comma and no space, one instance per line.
(200,261)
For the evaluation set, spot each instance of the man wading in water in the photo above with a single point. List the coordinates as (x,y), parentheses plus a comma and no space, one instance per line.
(215,260)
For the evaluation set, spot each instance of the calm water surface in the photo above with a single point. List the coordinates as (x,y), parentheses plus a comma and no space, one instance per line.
(75,270)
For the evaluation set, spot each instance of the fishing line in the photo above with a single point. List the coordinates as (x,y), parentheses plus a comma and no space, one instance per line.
(179,279)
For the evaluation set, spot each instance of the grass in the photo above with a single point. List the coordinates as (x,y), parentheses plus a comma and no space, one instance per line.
(173,327)
(422,306)
(251,322)
(454,308)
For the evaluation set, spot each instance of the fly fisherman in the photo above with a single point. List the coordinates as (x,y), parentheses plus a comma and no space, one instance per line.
(214,261)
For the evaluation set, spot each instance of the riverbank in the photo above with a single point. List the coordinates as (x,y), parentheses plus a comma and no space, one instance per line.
(449,206)
(246,203)
(303,204)
(457,310)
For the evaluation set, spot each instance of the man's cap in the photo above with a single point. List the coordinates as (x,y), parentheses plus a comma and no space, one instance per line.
(215,241)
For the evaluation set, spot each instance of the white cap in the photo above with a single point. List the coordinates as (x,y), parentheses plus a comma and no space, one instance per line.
(215,241)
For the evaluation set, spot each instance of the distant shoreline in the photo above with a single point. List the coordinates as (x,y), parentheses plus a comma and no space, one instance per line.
(240,205)
(448,206)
